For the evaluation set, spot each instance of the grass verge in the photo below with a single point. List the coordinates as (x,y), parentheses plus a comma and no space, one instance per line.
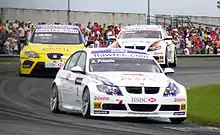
(199,59)
(204,105)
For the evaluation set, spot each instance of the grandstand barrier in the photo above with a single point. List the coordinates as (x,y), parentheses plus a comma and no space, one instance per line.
(6,57)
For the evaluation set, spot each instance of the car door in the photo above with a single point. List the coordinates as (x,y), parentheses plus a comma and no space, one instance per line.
(80,80)
(67,77)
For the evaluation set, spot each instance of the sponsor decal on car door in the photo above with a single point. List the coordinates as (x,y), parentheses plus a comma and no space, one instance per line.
(68,89)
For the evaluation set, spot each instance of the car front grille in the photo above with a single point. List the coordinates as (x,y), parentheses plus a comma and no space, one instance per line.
(113,107)
(136,47)
(134,90)
(54,56)
(170,108)
(151,90)
(129,47)
(140,47)
(138,90)
(143,107)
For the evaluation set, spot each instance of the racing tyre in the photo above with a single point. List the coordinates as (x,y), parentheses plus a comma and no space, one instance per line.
(175,61)
(54,100)
(86,104)
(22,75)
(177,120)
(166,62)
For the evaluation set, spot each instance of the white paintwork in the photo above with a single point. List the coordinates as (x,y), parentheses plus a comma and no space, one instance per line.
(70,94)
(77,69)
(166,45)
(168,71)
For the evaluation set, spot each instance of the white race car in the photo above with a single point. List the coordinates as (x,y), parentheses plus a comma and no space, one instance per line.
(117,82)
(151,38)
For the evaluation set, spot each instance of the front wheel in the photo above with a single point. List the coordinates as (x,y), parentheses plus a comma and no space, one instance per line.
(54,100)
(86,104)
(177,120)
(175,61)
(20,74)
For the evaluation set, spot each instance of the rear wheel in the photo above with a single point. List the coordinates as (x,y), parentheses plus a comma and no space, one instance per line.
(177,120)
(54,100)
(86,104)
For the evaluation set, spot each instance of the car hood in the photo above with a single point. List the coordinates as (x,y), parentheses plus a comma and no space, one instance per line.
(132,79)
(49,48)
(137,42)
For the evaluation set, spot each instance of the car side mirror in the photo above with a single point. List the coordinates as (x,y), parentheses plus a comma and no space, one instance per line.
(77,69)
(168,38)
(64,58)
(89,42)
(168,71)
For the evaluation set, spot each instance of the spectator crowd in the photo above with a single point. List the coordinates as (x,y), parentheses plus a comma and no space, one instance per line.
(201,40)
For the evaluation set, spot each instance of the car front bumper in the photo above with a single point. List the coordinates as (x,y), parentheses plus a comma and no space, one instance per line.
(33,66)
(119,106)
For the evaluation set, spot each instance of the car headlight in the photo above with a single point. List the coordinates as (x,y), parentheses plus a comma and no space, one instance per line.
(171,90)
(155,46)
(32,54)
(108,89)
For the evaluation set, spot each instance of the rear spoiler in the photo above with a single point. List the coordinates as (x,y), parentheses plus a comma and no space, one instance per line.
(64,58)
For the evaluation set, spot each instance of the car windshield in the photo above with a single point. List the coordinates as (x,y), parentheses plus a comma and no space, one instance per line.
(123,64)
(57,38)
(140,34)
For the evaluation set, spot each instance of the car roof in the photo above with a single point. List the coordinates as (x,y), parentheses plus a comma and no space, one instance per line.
(131,27)
(91,51)
(60,26)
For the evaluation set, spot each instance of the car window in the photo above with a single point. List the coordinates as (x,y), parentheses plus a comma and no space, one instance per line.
(57,38)
(140,34)
(82,61)
(73,60)
(67,63)
(123,65)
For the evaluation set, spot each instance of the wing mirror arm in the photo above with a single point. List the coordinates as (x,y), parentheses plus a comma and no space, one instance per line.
(89,42)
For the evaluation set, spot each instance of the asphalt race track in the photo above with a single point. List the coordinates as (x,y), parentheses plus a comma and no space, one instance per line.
(24,107)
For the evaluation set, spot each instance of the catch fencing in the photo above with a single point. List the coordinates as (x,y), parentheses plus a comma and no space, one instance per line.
(83,17)
(15,57)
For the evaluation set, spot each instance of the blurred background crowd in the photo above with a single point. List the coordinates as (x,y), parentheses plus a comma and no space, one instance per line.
(200,40)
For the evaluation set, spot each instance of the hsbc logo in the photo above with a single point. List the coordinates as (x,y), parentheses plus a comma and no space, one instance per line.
(152,100)
(142,100)
(60,64)
(139,100)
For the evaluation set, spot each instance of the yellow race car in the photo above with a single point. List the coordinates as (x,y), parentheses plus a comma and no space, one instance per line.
(41,55)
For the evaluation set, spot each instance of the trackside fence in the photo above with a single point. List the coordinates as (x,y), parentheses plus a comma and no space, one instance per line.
(6,57)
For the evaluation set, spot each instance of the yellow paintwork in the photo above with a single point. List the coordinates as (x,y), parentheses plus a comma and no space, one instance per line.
(42,50)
